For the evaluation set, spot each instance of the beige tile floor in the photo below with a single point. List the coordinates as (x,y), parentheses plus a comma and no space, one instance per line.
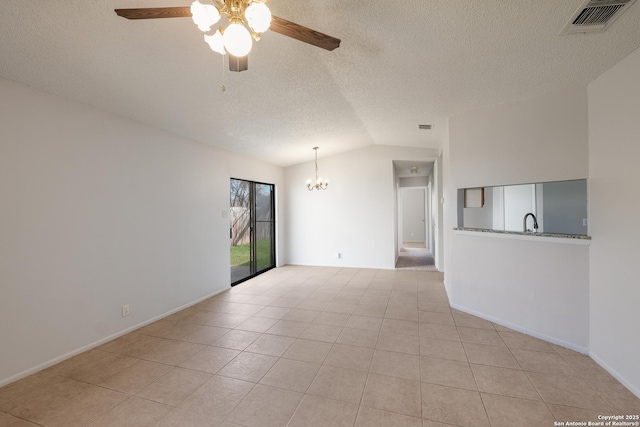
(312,346)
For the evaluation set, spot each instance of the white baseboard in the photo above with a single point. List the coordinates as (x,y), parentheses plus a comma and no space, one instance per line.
(518,328)
(101,341)
(615,374)
(446,287)
(635,389)
(363,267)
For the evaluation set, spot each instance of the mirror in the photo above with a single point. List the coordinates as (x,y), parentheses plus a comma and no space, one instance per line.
(559,207)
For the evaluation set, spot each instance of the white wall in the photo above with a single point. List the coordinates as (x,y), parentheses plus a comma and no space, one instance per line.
(97,212)
(498,208)
(432,204)
(614,206)
(537,140)
(414,181)
(447,207)
(503,281)
(397,237)
(354,216)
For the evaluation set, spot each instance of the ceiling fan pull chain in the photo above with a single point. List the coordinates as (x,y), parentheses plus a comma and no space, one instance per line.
(224,88)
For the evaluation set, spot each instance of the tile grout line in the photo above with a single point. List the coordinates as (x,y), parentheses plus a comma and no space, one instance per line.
(529,379)
(484,406)
(399,290)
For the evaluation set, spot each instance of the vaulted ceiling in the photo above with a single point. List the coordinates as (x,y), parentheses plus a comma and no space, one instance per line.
(400,64)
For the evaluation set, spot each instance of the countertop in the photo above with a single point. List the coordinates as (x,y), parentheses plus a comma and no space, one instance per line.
(520,233)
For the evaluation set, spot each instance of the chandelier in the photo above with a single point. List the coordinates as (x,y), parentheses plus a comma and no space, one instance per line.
(320,184)
(247,20)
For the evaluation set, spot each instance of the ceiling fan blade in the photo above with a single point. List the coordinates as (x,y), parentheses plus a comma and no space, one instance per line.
(303,34)
(155,12)
(278,25)
(238,63)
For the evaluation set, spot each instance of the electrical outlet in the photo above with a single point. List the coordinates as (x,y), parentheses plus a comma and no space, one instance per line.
(338,255)
(585,222)
(125,310)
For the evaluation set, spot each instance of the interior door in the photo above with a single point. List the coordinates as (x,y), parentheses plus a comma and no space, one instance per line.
(252,229)
(413,215)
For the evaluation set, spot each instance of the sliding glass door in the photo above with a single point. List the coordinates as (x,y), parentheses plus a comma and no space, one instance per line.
(252,234)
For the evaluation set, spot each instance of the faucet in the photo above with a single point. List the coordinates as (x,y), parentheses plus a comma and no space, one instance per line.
(535,223)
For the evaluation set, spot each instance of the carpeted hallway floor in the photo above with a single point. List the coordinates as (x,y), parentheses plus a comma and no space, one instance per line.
(415,257)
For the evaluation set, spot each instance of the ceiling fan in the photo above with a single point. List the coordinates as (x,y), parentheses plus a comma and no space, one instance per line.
(247,20)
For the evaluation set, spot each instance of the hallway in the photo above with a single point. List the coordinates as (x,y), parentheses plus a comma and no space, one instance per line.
(414,256)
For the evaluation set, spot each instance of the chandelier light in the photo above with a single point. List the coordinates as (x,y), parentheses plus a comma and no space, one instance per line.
(320,184)
(247,20)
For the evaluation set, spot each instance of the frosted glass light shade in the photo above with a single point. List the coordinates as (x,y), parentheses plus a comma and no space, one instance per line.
(237,40)
(215,42)
(258,16)
(204,15)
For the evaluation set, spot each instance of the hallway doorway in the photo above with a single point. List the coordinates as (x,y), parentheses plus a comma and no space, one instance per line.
(414,250)
(415,219)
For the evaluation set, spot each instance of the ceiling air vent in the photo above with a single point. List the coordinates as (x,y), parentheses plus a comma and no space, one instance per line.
(595,16)
(426,127)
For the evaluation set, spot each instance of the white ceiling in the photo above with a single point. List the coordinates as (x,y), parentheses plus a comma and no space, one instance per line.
(400,64)
(403,168)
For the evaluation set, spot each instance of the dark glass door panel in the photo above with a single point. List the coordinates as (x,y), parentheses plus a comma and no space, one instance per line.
(240,218)
(265,256)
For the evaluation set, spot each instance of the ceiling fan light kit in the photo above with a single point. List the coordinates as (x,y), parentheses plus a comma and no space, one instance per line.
(247,20)
(236,37)
(215,42)
(237,40)
(204,15)
(258,17)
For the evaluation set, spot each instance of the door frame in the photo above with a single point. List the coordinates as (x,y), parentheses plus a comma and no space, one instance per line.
(253,258)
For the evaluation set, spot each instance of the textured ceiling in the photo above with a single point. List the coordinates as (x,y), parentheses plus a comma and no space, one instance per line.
(400,64)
